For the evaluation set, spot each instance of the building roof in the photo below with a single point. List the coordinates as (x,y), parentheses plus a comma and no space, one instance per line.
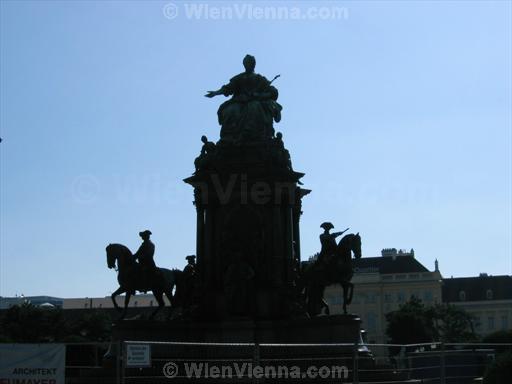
(477,288)
(387,265)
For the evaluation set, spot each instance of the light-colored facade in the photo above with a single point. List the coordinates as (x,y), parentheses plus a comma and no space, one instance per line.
(139,300)
(487,298)
(379,288)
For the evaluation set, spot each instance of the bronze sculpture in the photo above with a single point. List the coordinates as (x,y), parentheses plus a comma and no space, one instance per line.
(208,151)
(248,203)
(250,113)
(334,267)
(144,256)
(119,257)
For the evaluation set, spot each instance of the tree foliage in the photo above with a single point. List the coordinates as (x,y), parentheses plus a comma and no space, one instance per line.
(27,323)
(410,324)
(415,322)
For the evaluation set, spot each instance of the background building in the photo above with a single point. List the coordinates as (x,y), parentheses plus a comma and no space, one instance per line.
(39,301)
(382,284)
(487,298)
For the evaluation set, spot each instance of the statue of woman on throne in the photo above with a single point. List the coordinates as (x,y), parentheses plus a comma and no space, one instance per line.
(249,114)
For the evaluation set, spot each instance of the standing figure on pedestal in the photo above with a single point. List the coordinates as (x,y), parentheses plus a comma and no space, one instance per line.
(250,113)
(144,256)
(189,281)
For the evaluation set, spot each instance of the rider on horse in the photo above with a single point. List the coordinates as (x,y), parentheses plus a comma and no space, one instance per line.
(145,255)
(328,242)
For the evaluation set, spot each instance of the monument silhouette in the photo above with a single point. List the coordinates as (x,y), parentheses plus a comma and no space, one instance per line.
(247,281)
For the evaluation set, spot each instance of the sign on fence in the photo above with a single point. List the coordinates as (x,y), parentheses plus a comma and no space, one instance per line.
(32,363)
(137,355)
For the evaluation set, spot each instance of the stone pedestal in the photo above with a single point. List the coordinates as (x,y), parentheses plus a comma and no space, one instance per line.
(319,330)
(248,205)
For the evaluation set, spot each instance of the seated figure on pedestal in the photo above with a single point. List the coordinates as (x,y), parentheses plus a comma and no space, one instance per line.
(208,151)
(250,113)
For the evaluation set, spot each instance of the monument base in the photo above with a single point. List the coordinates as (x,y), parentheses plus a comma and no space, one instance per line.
(318,330)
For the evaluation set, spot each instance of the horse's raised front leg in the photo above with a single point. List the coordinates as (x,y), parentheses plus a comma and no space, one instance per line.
(351,293)
(159,298)
(345,297)
(117,292)
(126,302)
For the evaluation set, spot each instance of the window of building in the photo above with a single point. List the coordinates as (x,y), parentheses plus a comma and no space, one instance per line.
(490,323)
(400,297)
(388,298)
(477,324)
(462,296)
(86,305)
(371,297)
(150,303)
(504,322)
(488,294)
(135,303)
(427,296)
(372,321)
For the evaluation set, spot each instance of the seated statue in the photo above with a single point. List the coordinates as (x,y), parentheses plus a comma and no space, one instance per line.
(282,156)
(250,113)
(208,150)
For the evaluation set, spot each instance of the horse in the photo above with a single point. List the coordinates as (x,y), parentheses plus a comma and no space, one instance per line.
(129,276)
(336,269)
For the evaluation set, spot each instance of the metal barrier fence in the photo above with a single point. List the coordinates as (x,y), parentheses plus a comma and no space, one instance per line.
(139,362)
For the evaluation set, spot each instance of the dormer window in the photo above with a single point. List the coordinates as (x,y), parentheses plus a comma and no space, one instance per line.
(462,296)
(488,294)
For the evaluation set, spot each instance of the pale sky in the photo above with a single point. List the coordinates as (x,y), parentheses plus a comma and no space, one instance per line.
(398,112)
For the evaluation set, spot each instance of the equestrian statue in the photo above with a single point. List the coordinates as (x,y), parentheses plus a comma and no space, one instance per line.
(333,265)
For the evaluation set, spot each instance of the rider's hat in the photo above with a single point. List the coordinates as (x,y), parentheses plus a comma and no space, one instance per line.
(327,225)
(191,257)
(146,232)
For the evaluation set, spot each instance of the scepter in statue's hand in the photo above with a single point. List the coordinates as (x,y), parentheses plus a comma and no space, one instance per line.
(213,93)
(275,77)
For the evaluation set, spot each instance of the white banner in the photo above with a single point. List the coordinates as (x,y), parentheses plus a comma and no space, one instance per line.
(32,363)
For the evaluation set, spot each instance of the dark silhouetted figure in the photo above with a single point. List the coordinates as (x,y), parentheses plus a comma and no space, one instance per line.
(333,266)
(129,279)
(328,242)
(144,256)
(189,281)
(207,152)
(250,113)
(283,156)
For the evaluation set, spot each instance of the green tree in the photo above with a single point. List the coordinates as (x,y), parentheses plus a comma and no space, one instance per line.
(415,322)
(452,324)
(92,326)
(411,323)
(27,323)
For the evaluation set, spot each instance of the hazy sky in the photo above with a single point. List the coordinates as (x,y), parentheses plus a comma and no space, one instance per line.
(398,112)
